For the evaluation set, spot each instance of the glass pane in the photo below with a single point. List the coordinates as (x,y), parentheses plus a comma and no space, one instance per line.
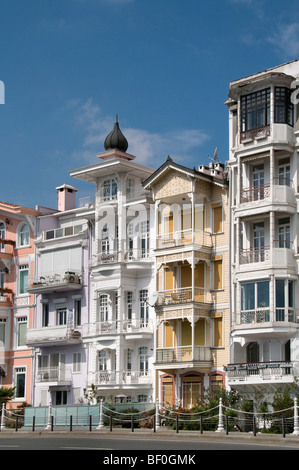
(280,297)
(22,334)
(263,294)
(247,296)
(20,387)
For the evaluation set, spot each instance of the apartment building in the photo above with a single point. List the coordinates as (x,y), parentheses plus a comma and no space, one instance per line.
(17,232)
(263,165)
(119,334)
(192,280)
(59,285)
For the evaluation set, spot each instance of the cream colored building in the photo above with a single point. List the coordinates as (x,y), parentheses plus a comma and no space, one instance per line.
(191,266)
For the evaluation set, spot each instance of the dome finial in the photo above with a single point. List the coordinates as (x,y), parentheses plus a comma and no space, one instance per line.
(116,139)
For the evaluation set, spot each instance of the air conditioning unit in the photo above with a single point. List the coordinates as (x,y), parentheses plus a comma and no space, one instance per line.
(72,277)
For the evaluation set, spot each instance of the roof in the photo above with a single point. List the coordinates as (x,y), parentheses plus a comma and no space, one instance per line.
(170,164)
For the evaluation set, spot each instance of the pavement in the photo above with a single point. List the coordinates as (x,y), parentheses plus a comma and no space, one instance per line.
(162,432)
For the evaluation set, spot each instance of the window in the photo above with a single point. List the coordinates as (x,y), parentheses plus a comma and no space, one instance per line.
(102,360)
(217,330)
(284,108)
(20,380)
(77,312)
(2,332)
(61,397)
(105,240)
(143,296)
(144,239)
(284,299)
(217,274)
(255,110)
(109,189)
(21,331)
(104,308)
(130,242)
(284,172)
(284,239)
(77,362)
(129,359)
(45,314)
(255,302)
(259,241)
(143,359)
(61,316)
(129,305)
(2,235)
(142,398)
(24,235)
(217,218)
(23,278)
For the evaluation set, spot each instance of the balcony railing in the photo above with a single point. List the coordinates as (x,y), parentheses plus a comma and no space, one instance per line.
(181,295)
(262,315)
(262,370)
(254,255)
(112,377)
(51,280)
(255,193)
(184,237)
(54,374)
(183,354)
(116,327)
(117,256)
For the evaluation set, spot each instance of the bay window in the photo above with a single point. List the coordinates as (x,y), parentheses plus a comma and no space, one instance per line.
(255,110)
(255,302)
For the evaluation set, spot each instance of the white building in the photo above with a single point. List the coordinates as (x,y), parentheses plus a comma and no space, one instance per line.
(60,288)
(263,162)
(119,333)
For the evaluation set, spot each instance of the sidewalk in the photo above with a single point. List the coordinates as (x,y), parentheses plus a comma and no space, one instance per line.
(149,433)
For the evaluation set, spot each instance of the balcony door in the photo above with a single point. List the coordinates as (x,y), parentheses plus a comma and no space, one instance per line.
(259,241)
(258,182)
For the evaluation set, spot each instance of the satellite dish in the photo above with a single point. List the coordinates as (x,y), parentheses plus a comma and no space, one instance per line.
(153,299)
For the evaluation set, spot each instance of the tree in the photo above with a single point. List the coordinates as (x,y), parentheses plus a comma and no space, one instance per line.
(6,394)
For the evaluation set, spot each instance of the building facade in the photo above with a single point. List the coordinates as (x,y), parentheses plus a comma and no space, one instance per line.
(60,288)
(17,233)
(263,163)
(191,277)
(119,336)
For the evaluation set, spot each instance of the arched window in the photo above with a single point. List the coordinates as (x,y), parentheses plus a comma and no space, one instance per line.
(24,235)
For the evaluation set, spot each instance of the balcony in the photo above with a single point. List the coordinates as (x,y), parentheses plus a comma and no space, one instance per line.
(262,315)
(280,192)
(254,255)
(131,257)
(52,335)
(130,328)
(6,298)
(182,354)
(184,237)
(58,375)
(183,295)
(271,374)
(70,280)
(121,378)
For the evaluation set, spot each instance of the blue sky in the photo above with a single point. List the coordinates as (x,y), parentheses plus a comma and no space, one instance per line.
(164,66)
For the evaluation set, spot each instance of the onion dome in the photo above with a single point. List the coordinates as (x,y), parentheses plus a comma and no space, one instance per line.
(116,139)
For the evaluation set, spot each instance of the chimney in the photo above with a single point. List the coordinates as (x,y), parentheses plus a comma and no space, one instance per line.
(66,197)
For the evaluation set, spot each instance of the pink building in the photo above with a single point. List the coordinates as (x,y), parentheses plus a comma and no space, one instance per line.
(17,232)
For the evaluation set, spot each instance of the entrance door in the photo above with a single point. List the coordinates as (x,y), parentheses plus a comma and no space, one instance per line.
(191,391)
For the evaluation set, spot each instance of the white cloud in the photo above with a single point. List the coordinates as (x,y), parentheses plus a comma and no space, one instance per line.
(150,148)
(286,40)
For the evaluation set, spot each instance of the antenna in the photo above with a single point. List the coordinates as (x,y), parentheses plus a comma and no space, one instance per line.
(215,156)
